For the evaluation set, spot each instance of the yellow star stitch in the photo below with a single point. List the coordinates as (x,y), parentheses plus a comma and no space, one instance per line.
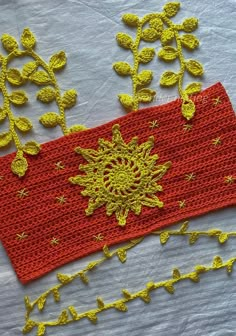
(229,179)
(21,236)
(98,237)
(121,176)
(59,166)
(187,127)
(216,101)
(153,124)
(190,177)
(54,241)
(61,199)
(216,141)
(22,193)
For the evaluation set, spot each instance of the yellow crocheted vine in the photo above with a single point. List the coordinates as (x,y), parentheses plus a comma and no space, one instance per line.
(121,176)
(121,253)
(32,72)
(153,27)
(70,314)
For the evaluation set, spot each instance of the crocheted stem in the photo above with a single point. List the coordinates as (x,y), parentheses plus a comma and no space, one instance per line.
(120,304)
(46,67)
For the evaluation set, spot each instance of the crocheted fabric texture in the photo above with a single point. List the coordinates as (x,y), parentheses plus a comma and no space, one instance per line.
(146,170)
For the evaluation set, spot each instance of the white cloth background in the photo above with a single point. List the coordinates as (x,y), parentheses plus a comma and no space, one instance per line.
(86,31)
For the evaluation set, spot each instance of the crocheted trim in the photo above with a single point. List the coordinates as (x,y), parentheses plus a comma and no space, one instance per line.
(121,176)
(31,73)
(71,315)
(160,27)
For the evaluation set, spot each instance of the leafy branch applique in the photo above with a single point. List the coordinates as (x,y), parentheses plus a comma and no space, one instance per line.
(121,254)
(70,314)
(153,27)
(32,72)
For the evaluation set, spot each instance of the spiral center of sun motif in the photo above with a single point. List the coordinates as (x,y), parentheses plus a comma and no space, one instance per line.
(122,176)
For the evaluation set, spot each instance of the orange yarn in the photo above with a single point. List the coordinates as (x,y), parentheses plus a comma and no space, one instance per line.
(43,223)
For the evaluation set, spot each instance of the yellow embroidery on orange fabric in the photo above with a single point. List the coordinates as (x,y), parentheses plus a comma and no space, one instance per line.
(22,193)
(98,237)
(216,141)
(190,177)
(229,179)
(216,101)
(1,177)
(59,166)
(121,176)
(150,28)
(153,124)
(182,204)
(187,127)
(54,241)
(61,199)
(21,236)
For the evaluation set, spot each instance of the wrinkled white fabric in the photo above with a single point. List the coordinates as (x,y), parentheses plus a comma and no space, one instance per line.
(86,31)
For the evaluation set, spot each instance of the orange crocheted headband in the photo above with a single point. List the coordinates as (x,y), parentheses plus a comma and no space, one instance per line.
(118,181)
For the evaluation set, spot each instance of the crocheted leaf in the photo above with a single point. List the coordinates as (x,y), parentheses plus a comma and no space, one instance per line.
(145,77)
(124,40)
(150,35)
(18,97)
(193,88)
(49,119)
(194,68)
(92,317)
(76,128)
(69,98)
(131,20)
(169,287)
(28,69)
(184,227)
(58,60)
(157,24)
(167,36)
(190,24)
(168,53)
(56,295)
(31,148)
(41,302)
(122,255)
(217,262)
(122,68)
(29,326)
(169,78)
(146,55)
(176,273)
(64,279)
(23,124)
(46,95)
(171,8)
(100,302)
(14,77)
(3,114)
(73,312)
(223,237)
(28,39)
(121,307)
(19,166)
(9,42)
(41,330)
(63,318)
(40,78)
(193,238)
(5,139)
(126,100)
(164,237)
(189,41)
(188,109)
(146,95)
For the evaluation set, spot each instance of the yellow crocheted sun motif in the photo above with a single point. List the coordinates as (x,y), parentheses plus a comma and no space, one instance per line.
(121,176)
